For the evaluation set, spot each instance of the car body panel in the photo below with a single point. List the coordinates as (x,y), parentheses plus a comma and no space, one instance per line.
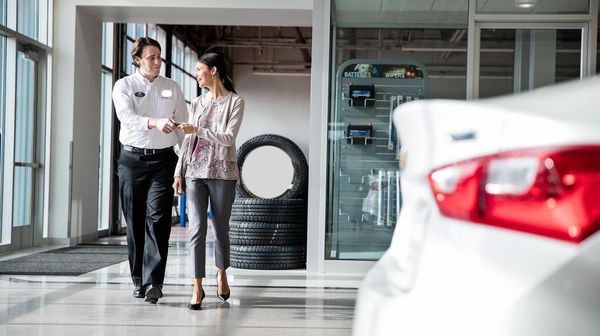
(442,276)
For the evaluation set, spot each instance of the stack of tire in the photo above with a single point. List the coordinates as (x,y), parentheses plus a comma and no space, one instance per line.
(270,234)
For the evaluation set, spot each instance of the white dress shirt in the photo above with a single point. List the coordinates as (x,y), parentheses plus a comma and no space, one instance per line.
(137,100)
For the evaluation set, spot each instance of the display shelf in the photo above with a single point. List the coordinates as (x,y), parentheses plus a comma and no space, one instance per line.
(364,187)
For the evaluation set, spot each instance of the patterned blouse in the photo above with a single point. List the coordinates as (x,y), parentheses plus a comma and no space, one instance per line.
(203,160)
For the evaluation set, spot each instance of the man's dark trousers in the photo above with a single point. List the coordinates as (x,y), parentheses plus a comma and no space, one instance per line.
(146,192)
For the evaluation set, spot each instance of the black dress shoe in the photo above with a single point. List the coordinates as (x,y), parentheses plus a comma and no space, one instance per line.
(197,306)
(153,293)
(223,297)
(139,291)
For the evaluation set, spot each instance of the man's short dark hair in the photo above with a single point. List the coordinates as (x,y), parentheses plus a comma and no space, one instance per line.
(138,47)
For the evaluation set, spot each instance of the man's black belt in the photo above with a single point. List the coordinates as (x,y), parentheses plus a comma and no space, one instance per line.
(146,151)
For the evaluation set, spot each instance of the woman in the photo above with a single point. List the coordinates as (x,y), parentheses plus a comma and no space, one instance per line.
(208,164)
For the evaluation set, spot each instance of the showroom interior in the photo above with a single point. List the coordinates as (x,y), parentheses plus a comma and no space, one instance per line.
(285,58)
(296,64)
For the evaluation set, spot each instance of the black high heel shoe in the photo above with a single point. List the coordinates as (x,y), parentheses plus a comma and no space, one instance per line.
(223,297)
(197,306)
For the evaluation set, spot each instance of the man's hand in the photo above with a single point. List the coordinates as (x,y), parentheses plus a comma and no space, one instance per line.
(188,128)
(165,125)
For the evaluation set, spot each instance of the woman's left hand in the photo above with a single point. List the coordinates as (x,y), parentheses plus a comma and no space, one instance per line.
(188,128)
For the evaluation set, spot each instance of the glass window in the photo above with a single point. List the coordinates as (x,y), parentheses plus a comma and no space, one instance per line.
(140,30)
(516,60)
(27,17)
(182,64)
(193,84)
(105,145)
(3,12)
(180,53)
(163,70)
(177,51)
(136,30)
(25,126)
(176,75)
(187,59)
(186,80)
(2,110)
(104,174)
(174,50)
(131,30)
(107,44)
(161,37)
(128,68)
(532,6)
(152,31)
(382,56)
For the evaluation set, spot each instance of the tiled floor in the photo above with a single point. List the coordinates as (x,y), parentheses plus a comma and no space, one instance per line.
(100,302)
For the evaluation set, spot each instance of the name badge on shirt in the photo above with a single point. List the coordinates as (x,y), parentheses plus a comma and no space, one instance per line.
(166,94)
(139,94)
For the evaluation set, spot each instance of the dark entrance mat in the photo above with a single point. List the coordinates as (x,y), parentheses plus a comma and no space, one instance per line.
(75,260)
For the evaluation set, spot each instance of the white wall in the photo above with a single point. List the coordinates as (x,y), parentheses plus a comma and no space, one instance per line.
(277,104)
(62,118)
(75,119)
(86,133)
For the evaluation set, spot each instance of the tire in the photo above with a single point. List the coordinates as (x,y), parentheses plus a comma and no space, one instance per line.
(249,227)
(275,214)
(283,208)
(299,182)
(269,202)
(267,239)
(268,257)
(267,250)
(271,265)
(268,211)
(268,218)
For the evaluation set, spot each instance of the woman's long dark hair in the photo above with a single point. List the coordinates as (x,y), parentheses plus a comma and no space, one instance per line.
(217,60)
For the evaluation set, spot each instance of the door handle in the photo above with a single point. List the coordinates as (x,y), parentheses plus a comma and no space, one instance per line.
(28,164)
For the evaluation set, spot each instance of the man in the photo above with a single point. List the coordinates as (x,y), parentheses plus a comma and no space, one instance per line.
(149,106)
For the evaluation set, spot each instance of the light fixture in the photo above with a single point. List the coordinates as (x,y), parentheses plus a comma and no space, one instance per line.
(526,3)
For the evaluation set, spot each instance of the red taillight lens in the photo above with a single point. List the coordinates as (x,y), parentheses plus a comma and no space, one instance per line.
(550,192)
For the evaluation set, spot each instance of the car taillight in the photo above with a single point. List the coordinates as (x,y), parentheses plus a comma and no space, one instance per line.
(554,192)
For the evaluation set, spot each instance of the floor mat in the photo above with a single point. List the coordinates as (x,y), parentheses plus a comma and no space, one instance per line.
(75,260)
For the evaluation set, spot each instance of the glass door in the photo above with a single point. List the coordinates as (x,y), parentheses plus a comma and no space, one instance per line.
(506,57)
(25,156)
(513,60)
(2,127)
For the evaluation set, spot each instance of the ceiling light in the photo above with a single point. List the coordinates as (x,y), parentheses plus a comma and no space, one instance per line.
(526,3)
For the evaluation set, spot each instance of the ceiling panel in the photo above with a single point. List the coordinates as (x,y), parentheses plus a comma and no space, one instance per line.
(401,13)
(451,5)
(541,7)
(357,5)
(407,5)
(437,13)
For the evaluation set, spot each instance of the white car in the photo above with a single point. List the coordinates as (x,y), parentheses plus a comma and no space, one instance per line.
(498,233)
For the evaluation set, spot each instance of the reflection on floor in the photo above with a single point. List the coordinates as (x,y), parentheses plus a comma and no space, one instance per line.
(100,303)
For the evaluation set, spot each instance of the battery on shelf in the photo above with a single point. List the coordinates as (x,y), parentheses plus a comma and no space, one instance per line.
(359,134)
(361,95)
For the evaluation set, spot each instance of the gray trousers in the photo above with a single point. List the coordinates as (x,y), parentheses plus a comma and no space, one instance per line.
(221,194)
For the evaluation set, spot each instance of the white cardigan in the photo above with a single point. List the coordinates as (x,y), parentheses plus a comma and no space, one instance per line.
(231,112)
